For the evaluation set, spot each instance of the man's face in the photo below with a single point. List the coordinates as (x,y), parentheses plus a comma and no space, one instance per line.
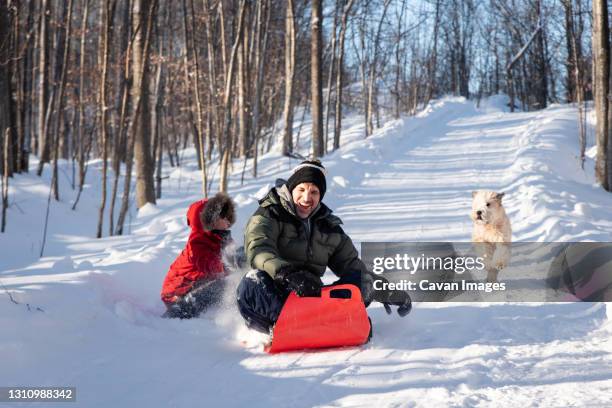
(306,197)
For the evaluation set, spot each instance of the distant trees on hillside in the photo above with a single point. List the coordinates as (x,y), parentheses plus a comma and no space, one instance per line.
(133,82)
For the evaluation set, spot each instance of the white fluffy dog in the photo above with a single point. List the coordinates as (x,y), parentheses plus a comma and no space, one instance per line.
(492,232)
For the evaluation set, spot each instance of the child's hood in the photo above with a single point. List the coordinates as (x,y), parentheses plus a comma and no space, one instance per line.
(193,215)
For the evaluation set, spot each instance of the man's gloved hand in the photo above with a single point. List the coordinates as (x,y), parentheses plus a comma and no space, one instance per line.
(398,298)
(367,287)
(304,283)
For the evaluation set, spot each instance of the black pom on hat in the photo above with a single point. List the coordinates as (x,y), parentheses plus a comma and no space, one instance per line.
(309,171)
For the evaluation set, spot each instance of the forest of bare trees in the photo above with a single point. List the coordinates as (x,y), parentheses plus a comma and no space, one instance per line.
(131,83)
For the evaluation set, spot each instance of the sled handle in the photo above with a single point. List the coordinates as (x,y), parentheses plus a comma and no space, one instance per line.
(327,292)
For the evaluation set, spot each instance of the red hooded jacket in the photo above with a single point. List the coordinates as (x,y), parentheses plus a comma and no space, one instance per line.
(201,258)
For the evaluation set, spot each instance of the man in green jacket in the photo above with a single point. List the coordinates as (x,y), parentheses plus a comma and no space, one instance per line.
(290,241)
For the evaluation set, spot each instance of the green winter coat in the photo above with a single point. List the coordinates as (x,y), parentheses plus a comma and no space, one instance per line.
(275,236)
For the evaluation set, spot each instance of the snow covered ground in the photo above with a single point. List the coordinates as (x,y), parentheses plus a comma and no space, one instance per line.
(88,312)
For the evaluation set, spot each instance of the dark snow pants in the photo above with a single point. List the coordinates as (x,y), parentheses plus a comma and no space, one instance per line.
(260,301)
(204,295)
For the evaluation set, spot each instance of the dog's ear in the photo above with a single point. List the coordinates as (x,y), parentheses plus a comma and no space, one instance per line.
(474,193)
(499,196)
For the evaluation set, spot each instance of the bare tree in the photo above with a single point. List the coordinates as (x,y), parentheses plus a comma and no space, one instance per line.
(290,39)
(120,148)
(433,60)
(339,73)
(42,86)
(243,109)
(261,48)
(5,91)
(82,148)
(5,176)
(330,76)
(105,24)
(6,108)
(372,92)
(142,20)
(461,33)
(213,121)
(5,111)
(316,80)
(601,64)
(23,70)
(226,135)
(196,91)
(139,49)
(575,70)
(516,59)
(60,98)
(540,59)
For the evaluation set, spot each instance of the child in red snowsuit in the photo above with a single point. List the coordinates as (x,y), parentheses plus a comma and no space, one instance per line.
(195,280)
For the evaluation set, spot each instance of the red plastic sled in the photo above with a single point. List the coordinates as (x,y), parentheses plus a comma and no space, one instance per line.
(321,322)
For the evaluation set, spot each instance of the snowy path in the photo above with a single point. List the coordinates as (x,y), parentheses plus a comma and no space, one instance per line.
(100,329)
(434,162)
(508,354)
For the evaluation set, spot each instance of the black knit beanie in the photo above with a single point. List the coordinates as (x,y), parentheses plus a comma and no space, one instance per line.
(309,171)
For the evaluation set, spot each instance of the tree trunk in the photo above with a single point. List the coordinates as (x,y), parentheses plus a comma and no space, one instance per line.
(81,147)
(243,116)
(330,77)
(28,86)
(156,123)
(5,176)
(6,122)
(262,46)
(199,112)
(129,162)
(188,86)
(363,29)
(542,76)
(106,17)
(60,98)
(19,151)
(433,62)
(160,157)
(316,49)
(339,72)
(213,122)
(601,63)
(142,20)
(396,92)
(42,86)
(226,138)
(570,63)
(578,82)
(290,38)
(120,150)
(372,75)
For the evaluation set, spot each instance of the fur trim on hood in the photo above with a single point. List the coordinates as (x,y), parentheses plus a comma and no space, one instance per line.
(219,206)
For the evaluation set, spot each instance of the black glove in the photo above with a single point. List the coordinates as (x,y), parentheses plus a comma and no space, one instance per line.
(367,288)
(398,298)
(303,283)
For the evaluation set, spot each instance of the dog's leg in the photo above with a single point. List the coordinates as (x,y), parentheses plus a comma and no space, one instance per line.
(501,256)
(492,275)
